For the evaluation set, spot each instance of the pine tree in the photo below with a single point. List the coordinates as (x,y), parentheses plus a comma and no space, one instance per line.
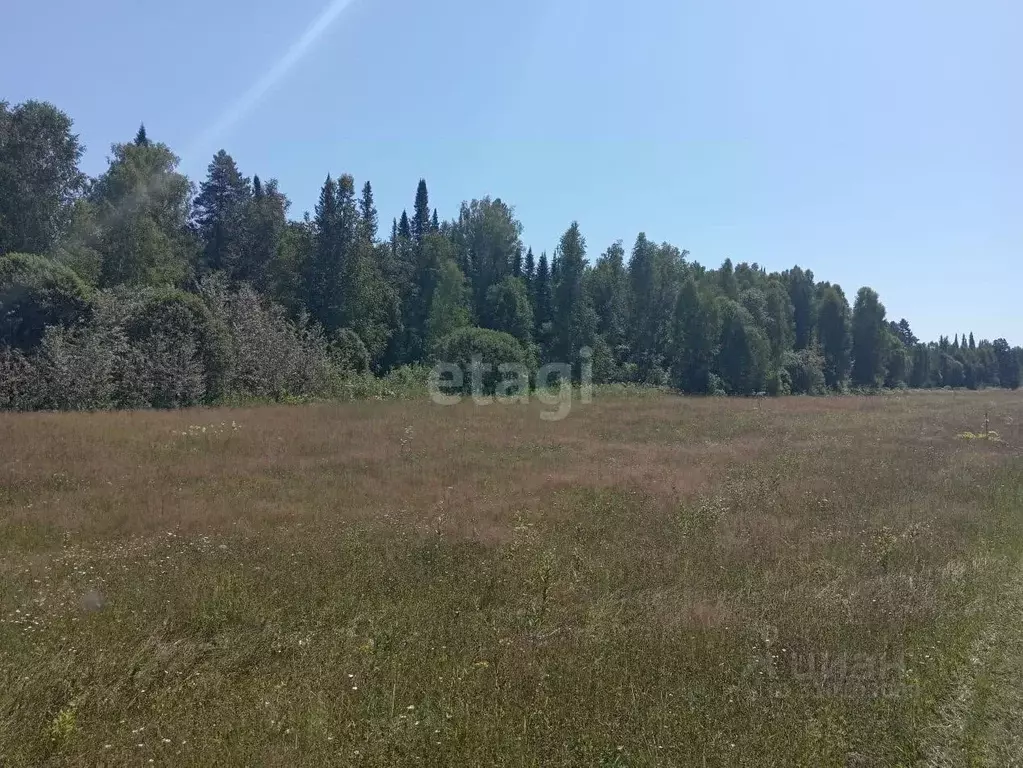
(421,213)
(529,270)
(973,344)
(219,214)
(323,266)
(609,294)
(265,221)
(368,213)
(542,297)
(435,222)
(574,318)
(141,140)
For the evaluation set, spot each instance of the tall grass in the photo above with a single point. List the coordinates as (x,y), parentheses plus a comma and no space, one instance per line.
(651,581)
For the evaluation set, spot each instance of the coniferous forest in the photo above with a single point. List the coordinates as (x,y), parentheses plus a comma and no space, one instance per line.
(143,288)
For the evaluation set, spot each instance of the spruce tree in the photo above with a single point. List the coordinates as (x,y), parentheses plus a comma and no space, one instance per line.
(574,319)
(421,212)
(320,297)
(141,140)
(542,295)
(219,214)
(368,213)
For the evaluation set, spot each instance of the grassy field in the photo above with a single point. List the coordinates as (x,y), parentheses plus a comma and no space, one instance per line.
(651,581)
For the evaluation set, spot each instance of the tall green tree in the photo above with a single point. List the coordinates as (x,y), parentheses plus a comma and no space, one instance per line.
(368,217)
(695,338)
(802,291)
(1008,364)
(574,319)
(142,213)
(421,213)
(543,300)
(324,265)
(265,220)
(608,287)
(743,352)
(220,211)
(486,237)
(833,333)
(39,176)
(449,306)
(511,311)
(868,341)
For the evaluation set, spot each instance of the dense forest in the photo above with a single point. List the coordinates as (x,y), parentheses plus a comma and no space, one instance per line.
(140,289)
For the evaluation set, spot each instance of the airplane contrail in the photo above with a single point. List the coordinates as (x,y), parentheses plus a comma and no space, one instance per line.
(248,100)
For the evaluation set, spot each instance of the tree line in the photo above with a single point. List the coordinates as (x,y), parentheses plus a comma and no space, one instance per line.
(139,288)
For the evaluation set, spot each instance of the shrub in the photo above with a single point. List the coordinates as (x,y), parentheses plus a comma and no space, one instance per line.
(183,319)
(19,389)
(805,370)
(348,352)
(465,346)
(36,292)
(779,382)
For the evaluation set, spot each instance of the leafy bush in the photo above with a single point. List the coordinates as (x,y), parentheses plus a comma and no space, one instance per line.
(466,346)
(779,382)
(19,388)
(805,370)
(348,352)
(36,292)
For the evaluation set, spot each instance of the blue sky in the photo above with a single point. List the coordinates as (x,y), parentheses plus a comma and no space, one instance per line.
(875,142)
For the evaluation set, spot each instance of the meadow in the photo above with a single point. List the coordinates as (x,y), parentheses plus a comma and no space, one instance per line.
(653,580)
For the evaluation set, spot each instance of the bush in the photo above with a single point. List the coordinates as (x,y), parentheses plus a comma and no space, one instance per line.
(164,318)
(19,388)
(805,370)
(779,382)
(78,368)
(268,356)
(348,352)
(491,348)
(716,385)
(36,292)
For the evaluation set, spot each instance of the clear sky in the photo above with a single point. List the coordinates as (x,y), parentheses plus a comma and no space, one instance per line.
(876,142)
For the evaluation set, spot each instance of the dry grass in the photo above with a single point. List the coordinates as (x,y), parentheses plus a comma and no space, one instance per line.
(651,581)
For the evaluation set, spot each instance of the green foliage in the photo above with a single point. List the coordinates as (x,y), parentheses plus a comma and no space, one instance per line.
(39,176)
(449,308)
(142,209)
(466,347)
(805,371)
(128,243)
(868,339)
(348,352)
(833,331)
(36,292)
(220,212)
(510,310)
(744,351)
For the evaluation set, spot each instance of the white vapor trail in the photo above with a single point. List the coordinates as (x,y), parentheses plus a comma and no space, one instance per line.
(248,100)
